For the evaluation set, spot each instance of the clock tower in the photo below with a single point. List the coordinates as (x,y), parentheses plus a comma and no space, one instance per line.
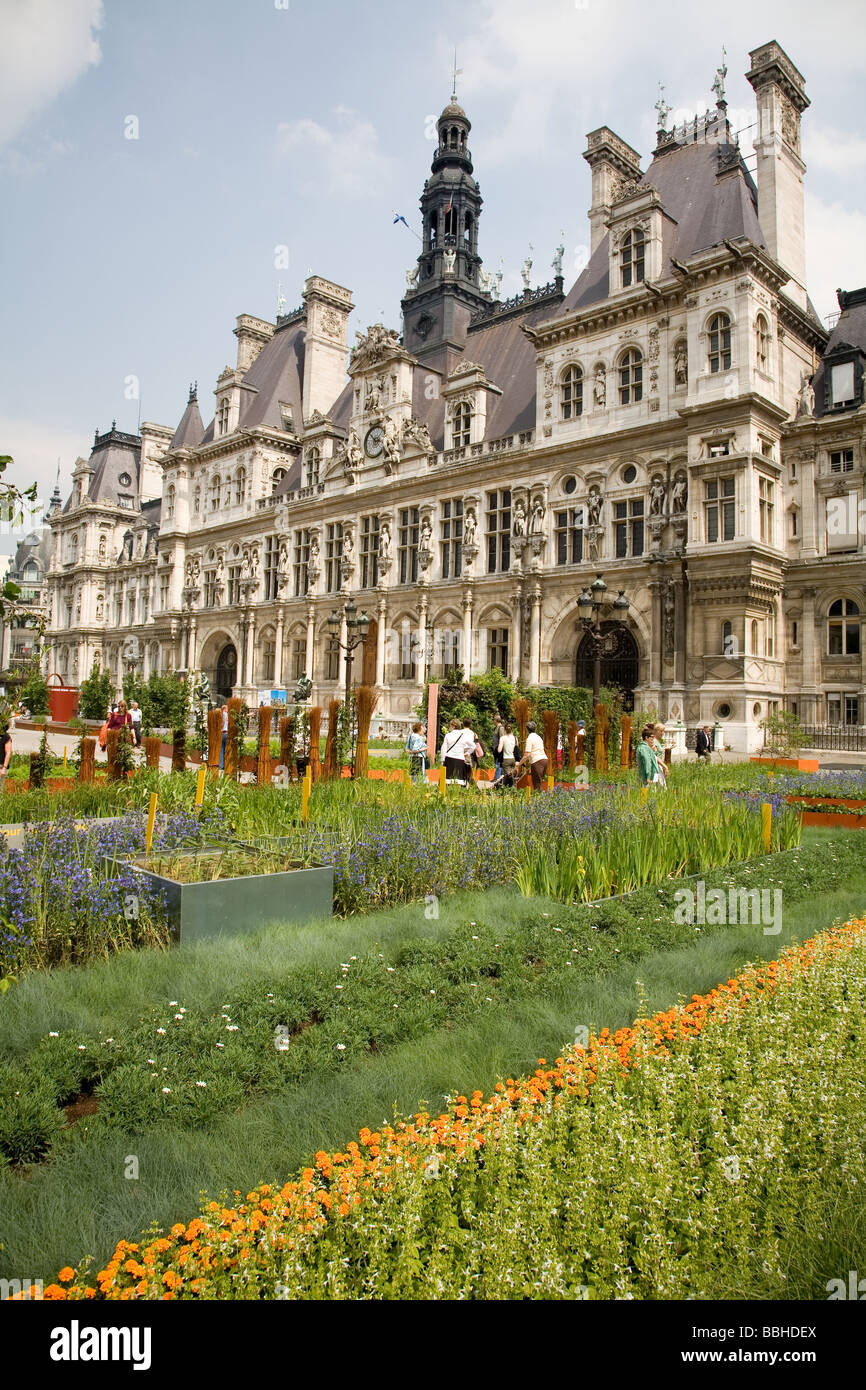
(445,288)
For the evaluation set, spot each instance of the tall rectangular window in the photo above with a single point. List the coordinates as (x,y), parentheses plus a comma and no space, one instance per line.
(332,659)
(272,567)
(842,461)
(269,656)
(451,531)
(333,549)
(234,585)
(301,559)
(719,509)
(369,552)
(498,531)
(407,546)
(766,508)
(210,588)
(448,641)
(497,648)
(164,584)
(568,534)
(299,657)
(628,527)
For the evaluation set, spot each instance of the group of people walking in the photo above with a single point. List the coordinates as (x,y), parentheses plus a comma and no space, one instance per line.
(462,751)
(122,717)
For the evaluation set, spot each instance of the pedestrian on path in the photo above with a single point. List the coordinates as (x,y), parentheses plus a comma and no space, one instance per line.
(647,761)
(535,756)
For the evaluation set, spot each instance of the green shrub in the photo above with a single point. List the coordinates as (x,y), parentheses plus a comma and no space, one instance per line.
(97,692)
(34,694)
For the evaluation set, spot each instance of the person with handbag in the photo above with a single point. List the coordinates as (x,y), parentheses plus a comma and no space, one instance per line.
(471,748)
(509,757)
(535,756)
(451,753)
(646,759)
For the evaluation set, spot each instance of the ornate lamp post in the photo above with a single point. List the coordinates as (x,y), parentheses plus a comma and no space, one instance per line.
(589,610)
(357,627)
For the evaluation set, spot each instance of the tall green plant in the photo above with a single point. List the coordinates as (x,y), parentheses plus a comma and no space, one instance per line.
(97,692)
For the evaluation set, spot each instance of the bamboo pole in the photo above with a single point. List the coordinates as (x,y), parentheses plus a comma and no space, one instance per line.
(550,724)
(315,764)
(366,701)
(625,745)
(331,769)
(178,750)
(112,738)
(233,751)
(152,746)
(286,727)
(214,739)
(263,768)
(88,757)
(571,732)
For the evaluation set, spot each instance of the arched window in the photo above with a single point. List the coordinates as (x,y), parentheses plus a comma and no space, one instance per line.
(729,641)
(215,490)
(434,231)
(462,426)
(240,486)
(770,634)
(450,223)
(720,342)
(843,628)
(632,258)
(762,344)
(169,503)
(755,630)
(312,463)
(571,392)
(277,477)
(467,231)
(223,417)
(631,377)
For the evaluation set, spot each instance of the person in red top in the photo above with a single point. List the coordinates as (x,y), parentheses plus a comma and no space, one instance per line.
(121,718)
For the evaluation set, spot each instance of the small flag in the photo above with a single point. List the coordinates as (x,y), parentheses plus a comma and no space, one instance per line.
(448,209)
(398,217)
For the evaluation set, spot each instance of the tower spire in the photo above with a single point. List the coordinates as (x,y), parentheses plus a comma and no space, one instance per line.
(455,73)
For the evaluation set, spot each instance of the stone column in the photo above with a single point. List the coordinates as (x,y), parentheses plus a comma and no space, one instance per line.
(310,648)
(380,643)
(467,633)
(515,635)
(250,649)
(535,639)
(193,644)
(184,650)
(680,629)
(421,665)
(809,639)
(278,650)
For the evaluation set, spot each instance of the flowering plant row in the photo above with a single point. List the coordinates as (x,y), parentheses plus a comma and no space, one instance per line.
(667,1160)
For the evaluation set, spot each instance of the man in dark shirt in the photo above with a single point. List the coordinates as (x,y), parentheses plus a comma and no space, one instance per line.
(704,743)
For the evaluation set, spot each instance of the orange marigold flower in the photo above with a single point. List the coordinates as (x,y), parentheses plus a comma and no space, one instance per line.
(66,1273)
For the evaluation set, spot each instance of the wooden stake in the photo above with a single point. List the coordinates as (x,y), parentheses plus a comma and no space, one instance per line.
(151,817)
(199,788)
(550,784)
(442,777)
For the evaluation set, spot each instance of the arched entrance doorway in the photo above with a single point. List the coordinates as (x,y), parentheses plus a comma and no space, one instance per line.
(620,668)
(226,671)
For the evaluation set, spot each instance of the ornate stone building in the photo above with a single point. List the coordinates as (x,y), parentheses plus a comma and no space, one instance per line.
(676,420)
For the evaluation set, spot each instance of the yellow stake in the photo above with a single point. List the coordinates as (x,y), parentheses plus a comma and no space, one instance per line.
(151,817)
(644,793)
(199,788)
(529,791)
(442,781)
(305,795)
(550,784)
(64,757)
(767,823)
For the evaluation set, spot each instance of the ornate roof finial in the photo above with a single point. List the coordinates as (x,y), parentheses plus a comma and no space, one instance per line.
(662,109)
(281,299)
(193,392)
(719,84)
(455,73)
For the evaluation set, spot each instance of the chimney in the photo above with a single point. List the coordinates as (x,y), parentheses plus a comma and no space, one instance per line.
(614,165)
(252,334)
(781,96)
(328,308)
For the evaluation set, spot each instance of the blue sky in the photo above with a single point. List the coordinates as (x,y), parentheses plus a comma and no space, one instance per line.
(303,123)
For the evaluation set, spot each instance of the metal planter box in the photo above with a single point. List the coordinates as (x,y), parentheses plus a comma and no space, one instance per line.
(233,906)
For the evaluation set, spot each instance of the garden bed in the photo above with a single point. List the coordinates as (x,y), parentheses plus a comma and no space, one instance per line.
(215,891)
(792,764)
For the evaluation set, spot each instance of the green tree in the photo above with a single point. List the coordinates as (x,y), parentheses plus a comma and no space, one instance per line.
(96,694)
(34,694)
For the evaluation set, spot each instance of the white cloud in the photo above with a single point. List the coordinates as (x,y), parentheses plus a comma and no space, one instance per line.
(345,160)
(47,45)
(835,256)
(836,151)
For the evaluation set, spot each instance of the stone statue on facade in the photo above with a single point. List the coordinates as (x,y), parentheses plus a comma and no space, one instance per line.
(303,690)
(391,444)
(518,527)
(556,263)
(526,270)
(536,521)
(657,496)
(412,278)
(805,399)
(425,544)
(450,260)
(419,434)
(386,547)
(679,496)
(593,507)
(681,365)
(314,561)
(469,527)
(600,387)
(347,557)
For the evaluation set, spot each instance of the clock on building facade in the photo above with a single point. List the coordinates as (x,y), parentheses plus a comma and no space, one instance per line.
(374,441)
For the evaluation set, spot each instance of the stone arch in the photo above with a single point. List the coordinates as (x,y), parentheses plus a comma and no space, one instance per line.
(220,659)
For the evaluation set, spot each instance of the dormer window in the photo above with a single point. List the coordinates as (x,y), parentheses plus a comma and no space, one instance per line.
(223,416)
(169,503)
(762,344)
(240,486)
(311,471)
(571,392)
(720,343)
(632,258)
(842,384)
(461,428)
(276,478)
(215,488)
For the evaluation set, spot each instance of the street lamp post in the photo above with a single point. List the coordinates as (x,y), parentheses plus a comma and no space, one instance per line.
(357,627)
(589,610)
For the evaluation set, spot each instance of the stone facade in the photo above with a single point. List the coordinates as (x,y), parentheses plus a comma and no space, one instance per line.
(658,423)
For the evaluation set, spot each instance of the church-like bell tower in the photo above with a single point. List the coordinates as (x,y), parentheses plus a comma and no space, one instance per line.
(444,289)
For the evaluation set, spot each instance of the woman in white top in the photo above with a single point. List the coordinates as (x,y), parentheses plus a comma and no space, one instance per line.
(507,755)
(535,755)
(452,753)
